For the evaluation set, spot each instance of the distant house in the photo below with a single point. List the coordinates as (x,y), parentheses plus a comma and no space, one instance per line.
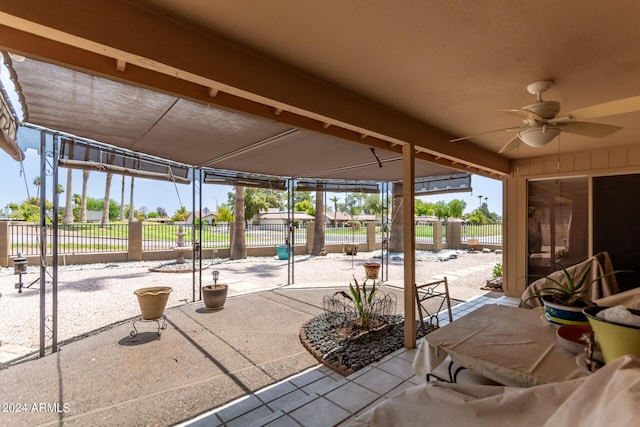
(426,219)
(365,218)
(337,218)
(94,216)
(276,216)
(456,220)
(163,220)
(209,217)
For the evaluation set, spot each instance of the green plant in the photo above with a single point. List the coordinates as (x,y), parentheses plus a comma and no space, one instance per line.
(568,290)
(362,301)
(497,270)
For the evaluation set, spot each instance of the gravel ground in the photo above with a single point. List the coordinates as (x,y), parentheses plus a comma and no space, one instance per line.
(96,295)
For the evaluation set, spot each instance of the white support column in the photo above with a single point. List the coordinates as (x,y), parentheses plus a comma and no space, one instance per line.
(409,244)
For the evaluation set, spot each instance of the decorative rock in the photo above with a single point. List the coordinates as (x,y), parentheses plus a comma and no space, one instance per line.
(346,355)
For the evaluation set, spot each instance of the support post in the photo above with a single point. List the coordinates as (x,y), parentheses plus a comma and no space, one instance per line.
(54,245)
(43,240)
(409,244)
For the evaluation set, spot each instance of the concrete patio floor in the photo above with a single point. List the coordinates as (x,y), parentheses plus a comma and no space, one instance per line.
(201,361)
(243,365)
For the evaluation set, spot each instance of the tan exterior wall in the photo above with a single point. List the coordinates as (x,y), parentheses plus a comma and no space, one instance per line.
(607,161)
(5,243)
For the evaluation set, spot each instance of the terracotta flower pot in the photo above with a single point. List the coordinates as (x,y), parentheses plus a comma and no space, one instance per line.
(372,269)
(214,296)
(152,301)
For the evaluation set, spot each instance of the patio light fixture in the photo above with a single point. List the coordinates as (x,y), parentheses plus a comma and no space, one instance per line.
(215,274)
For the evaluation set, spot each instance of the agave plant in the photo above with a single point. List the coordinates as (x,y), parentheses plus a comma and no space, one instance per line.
(362,299)
(570,290)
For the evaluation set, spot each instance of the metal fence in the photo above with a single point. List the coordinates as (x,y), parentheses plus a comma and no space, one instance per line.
(488,234)
(344,235)
(424,232)
(72,238)
(157,237)
(88,238)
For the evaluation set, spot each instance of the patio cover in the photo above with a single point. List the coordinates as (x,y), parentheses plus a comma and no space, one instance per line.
(195,133)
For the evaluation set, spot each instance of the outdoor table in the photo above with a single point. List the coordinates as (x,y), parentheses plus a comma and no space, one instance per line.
(513,346)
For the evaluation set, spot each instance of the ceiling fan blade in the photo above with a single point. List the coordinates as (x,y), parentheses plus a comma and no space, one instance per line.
(523,114)
(487,132)
(611,108)
(594,130)
(515,141)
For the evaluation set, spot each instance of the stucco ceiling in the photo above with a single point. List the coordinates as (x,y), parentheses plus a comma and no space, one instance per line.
(370,71)
(451,64)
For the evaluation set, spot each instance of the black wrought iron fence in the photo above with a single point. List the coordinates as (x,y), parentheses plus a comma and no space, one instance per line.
(88,238)
(424,232)
(25,239)
(488,234)
(72,238)
(158,237)
(345,235)
(267,235)
(215,236)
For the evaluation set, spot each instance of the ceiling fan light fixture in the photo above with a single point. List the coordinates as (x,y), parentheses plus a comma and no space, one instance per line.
(539,136)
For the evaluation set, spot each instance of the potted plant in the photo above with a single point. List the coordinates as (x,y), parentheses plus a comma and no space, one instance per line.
(564,298)
(362,300)
(615,338)
(214,296)
(152,301)
(351,249)
(371,270)
(496,282)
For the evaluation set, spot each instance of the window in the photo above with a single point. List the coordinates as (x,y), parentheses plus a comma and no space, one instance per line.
(557,221)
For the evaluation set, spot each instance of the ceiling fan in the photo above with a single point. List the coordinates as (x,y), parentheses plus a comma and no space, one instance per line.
(541,122)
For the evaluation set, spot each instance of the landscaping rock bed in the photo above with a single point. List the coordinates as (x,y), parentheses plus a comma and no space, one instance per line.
(327,342)
(175,267)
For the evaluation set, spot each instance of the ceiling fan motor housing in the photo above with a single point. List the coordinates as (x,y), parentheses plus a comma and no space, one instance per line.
(545,109)
(539,136)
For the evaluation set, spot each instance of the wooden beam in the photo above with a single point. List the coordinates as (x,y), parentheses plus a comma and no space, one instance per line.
(409,244)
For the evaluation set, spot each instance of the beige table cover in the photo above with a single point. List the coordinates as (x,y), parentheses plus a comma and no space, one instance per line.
(609,397)
(629,299)
(512,346)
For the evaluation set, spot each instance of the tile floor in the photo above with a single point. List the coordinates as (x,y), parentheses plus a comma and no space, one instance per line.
(321,397)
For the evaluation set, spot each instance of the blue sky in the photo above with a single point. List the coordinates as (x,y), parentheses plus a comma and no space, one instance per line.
(153,193)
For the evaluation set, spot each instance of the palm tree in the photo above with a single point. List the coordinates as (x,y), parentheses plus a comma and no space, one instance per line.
(335,200)
(68,208)
(238,243)
(105,208)
(83,199)
(37,181)
(131,212)
(318,228)
(122,200)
